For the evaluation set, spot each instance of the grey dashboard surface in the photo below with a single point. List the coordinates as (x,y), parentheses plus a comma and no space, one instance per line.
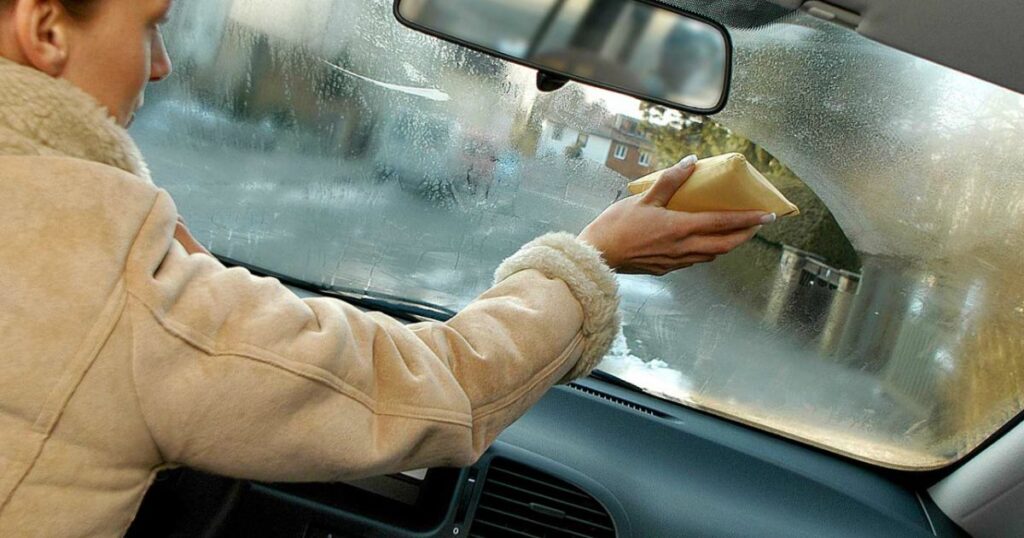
(658,470)
(683,473)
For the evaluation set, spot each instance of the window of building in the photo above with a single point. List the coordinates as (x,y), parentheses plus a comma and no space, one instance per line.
(645,158)
(621,152)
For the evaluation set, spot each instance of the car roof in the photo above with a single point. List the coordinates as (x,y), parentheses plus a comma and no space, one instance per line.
(983,39)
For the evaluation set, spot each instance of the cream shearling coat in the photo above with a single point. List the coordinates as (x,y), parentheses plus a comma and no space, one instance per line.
(120,354)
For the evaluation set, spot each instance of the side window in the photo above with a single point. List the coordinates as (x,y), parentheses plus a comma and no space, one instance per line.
(645,158)
(621,151)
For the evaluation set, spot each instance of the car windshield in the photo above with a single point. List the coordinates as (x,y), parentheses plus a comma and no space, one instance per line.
(324,141)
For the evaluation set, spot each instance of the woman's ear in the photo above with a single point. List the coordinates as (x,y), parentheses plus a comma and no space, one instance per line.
(42,29)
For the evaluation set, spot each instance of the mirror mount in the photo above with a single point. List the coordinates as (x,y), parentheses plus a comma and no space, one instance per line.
(549,82)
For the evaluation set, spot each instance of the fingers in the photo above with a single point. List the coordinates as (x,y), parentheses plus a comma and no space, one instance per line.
(717,245)
(722,222)
(663,265)
(682,262)
(670,181)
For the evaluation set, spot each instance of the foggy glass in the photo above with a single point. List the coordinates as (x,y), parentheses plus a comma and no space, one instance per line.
(630,45)
(326,141)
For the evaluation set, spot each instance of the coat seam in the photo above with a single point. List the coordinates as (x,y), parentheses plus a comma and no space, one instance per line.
(48,434)
(510,399)
(135,387)
(276,361)
(138,234)
(118,298)
(131,321)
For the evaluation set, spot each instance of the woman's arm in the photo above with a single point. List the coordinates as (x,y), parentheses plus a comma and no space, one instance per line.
(238,376)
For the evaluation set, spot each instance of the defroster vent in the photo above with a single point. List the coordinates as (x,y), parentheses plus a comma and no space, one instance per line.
(518,501)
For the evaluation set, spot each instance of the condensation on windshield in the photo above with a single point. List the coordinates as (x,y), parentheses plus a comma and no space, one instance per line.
(323,140)
(922,358)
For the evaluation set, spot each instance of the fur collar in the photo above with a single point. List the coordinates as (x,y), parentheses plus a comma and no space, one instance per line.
(41,115)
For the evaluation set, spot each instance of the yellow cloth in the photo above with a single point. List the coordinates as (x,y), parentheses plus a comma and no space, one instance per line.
(723,183)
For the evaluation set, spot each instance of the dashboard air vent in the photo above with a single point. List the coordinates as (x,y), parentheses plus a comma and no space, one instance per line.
(620,401)
(518,501)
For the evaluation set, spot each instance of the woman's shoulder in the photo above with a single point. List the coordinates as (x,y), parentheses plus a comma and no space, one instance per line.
(68,177)
(76,208)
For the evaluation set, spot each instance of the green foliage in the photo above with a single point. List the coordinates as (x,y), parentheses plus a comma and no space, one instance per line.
(814,230)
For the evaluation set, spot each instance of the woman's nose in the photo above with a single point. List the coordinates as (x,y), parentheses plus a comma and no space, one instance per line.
(161,67)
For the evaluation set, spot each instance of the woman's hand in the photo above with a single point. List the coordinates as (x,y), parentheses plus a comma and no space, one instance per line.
(183,236)
(639,235)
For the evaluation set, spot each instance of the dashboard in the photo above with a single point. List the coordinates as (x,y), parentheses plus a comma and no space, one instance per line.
(591,459)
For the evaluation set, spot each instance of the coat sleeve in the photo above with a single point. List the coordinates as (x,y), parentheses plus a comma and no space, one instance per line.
(236,375)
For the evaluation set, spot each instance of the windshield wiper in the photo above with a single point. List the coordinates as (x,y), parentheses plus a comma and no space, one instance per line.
(396,307)
(601,375)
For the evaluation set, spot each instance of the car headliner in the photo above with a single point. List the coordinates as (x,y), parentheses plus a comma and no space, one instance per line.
(983,39)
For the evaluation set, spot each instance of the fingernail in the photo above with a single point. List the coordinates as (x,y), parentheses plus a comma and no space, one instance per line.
(687,161)
(769,218)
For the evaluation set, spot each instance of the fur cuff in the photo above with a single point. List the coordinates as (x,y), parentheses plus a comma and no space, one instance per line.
(579,265)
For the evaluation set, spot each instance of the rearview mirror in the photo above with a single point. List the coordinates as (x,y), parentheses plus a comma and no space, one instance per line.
(637,47)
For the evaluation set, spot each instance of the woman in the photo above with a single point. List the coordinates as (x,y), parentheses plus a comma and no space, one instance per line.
(127,349)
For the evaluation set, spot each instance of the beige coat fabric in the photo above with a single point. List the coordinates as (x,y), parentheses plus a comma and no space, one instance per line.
(120,354)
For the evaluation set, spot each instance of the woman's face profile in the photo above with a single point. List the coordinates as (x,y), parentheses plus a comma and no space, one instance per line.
(111,52)
(119,51)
